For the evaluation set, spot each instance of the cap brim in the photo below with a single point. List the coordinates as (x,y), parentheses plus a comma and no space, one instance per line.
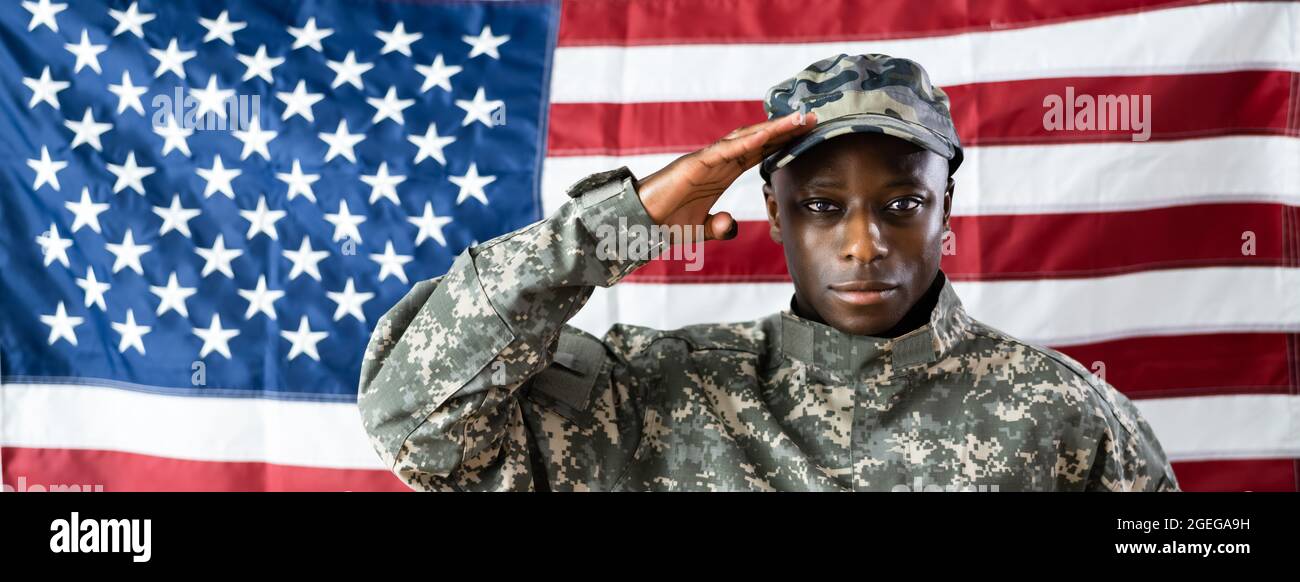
(862,123)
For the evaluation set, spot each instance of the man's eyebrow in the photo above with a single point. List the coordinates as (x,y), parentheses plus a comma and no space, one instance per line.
(904,181)
(823,182)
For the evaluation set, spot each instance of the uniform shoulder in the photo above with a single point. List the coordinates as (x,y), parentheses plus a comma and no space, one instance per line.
(1047,367)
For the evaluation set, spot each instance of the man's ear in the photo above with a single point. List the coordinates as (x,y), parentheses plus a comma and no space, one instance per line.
(947,201)
(773,218)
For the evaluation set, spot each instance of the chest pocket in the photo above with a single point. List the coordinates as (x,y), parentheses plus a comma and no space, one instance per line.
(565,387)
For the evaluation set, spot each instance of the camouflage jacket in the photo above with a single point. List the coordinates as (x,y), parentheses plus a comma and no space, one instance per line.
(474,381)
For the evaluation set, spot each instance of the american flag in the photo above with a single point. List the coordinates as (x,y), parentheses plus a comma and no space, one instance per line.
(139,258)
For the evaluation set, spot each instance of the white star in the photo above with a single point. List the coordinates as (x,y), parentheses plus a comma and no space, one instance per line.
(391,263)
(212,99)
(261,220)
(299,102)
(304,340)
(87,131)
(431,144)
(383,185)
(259,65)
(43,12)
(222,28)
(390,107)
(345,223)
(174,136)
(398,40)
(45,89)
(86,212)
(341,142)
(219,178)
(61,325)
(53,246)
(350,302)
(309,35)
(128,253)
(173,60)
(94,289)
(305,260)
(471,184)
(128,95)
(298,182)
(485,43)
(215,338)
(132,20)
(175,217)
(87,54)
(261,299)
(349,71)
(437,74)
(130,175)
(173,296)
(430,226)
(218,257)
(480,109)
(46,170)
(132,334)
(255,140)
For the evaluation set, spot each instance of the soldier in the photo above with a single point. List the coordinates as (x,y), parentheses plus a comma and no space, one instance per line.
(875,379)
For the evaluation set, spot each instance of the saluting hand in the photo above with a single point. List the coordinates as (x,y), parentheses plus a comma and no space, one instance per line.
(683,192)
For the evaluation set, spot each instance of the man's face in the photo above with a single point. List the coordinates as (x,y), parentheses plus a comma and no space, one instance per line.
(861,217)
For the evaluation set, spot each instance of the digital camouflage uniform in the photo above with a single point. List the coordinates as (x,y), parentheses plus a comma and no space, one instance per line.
(474,380)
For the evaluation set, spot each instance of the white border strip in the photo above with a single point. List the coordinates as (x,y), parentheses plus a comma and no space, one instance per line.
(314,435)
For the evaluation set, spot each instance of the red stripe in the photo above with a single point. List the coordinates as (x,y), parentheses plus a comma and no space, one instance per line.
(34,469)
(1001,247)
(1243,475)
(1009,112)
(660,22)
(1190,365)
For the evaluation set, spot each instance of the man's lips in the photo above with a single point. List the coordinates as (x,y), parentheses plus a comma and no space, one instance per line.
(863,292)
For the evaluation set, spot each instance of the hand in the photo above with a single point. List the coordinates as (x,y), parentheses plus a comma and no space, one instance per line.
(683,192)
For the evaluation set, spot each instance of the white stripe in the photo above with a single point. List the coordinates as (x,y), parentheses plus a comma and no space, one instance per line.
(1095,177)
(239,429)
(311,434)
(1225,427)
(1055,312)
(1193,39)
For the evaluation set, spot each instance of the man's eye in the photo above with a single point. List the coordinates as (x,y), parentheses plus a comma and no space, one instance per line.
(904,204)
(819,206)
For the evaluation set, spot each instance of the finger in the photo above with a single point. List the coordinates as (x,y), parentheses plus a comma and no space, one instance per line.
(778,125)
(745,152)
(720,226)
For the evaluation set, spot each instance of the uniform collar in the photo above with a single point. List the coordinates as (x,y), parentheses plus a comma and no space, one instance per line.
(820,344)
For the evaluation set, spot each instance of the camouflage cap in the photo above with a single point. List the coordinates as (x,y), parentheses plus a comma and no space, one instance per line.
(864,93)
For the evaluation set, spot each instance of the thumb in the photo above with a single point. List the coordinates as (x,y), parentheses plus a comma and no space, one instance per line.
(720,226)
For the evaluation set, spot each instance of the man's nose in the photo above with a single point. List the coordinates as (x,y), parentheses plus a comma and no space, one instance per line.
(862,238)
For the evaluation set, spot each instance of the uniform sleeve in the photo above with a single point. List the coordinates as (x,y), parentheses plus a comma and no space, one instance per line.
(1128,456)
(439,392)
